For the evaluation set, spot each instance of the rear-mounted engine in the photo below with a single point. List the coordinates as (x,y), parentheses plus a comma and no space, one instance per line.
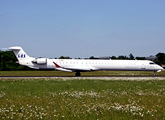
(40,61)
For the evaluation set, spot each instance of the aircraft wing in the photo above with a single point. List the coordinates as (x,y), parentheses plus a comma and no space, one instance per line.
(73,69)
(33,67)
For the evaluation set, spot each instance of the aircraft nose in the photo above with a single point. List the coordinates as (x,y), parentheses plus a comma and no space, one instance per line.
(161,68)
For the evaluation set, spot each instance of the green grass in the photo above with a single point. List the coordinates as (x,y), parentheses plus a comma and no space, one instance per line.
(96,73)
(87,99)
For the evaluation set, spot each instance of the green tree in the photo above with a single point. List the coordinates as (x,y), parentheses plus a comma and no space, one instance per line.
(92,57)
(8,62)
(121,57)
(161,58)
(62,57)
(131,57)
(113,57)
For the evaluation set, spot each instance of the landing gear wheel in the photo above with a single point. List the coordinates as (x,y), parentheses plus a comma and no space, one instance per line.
(78,74)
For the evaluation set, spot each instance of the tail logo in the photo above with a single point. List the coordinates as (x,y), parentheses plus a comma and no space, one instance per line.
(21,55)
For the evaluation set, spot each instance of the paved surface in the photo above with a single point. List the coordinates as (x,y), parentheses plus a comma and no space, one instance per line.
(76,76)
(87,77)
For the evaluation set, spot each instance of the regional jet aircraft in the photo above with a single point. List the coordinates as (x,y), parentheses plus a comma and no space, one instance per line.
(81,65)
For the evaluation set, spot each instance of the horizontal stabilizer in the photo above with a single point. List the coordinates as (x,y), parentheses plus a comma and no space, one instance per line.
(15,48)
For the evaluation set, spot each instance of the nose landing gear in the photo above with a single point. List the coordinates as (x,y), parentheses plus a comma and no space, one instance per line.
(154,73)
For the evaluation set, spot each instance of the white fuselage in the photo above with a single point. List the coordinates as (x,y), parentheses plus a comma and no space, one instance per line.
(73,65)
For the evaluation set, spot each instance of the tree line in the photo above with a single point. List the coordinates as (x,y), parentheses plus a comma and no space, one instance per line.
(8,60)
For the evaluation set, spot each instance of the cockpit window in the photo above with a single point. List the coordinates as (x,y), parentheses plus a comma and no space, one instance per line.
(152,63)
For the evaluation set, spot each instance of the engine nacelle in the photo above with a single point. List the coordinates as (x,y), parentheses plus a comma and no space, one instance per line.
(40,61)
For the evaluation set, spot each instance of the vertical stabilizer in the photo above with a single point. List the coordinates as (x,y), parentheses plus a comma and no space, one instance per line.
(19,53)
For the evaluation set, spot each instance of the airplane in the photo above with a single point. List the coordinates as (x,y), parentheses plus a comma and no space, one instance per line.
(83,65)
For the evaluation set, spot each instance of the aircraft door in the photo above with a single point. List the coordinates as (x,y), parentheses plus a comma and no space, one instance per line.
(143,66)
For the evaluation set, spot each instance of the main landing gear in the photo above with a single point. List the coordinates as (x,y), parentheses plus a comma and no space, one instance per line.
(77,74)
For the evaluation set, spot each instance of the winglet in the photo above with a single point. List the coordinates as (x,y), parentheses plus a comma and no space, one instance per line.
(56,65)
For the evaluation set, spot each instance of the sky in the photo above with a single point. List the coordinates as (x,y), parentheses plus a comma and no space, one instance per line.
(83,28)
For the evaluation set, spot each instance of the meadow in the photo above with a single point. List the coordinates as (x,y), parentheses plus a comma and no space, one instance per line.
(82,98)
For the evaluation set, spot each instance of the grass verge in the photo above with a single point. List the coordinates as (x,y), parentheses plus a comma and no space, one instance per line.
(60,98)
